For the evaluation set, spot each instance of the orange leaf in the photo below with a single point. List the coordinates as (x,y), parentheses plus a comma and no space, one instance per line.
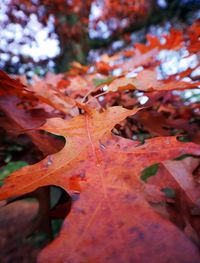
(110,219)
(146,80)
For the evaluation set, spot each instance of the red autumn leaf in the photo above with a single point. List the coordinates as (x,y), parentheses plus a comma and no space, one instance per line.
(9,85)
(50,95)
(146,80)
(104,169)
(182,171)
(174,40)
(103,67)
(19,121)
(139,59)
(157,124)
(194,33)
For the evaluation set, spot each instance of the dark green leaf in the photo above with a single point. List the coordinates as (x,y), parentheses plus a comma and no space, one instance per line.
(10,168)
(169,192)
(183,157)
(149,171)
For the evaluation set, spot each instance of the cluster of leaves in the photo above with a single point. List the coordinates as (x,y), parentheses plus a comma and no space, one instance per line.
(132,201)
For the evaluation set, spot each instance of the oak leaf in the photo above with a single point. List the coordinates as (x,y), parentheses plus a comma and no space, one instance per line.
(50,95)
(146,80)
(110,220)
